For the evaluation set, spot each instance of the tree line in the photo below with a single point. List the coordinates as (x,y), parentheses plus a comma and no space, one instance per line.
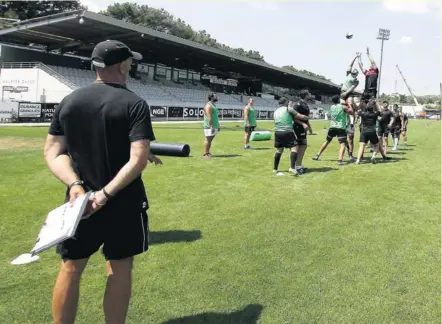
(142,15)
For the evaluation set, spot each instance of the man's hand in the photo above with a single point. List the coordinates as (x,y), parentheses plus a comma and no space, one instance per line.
(96,201)
(154,159)
(75,192)
(368,51)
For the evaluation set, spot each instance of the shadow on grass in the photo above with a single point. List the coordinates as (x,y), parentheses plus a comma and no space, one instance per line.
(226,155)
(162,237)
(249,315)
(261,149)
(320,170)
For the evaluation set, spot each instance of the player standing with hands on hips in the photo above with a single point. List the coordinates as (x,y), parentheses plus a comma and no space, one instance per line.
(210,124)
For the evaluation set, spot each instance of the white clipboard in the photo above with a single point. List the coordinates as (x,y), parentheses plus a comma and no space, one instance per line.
(60,224)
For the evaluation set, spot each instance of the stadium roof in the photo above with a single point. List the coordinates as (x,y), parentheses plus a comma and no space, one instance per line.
(64,31)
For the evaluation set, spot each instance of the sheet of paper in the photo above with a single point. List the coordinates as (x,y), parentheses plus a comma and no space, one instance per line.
(60,224)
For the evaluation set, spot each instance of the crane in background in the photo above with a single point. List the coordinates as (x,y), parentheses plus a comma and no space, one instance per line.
(409,89)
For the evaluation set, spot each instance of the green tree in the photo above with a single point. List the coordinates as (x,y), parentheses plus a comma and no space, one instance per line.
(23,10)
(162,21)
(292,68)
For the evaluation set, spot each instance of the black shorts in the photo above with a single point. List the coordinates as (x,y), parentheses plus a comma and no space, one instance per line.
(300,134)
(123,232)
(395,131)
(370,93)
(383,131)
(285,139)
(341,134)
(371,137)
(249,129)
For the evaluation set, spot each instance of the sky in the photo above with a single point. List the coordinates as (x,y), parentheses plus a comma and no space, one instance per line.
(311,35)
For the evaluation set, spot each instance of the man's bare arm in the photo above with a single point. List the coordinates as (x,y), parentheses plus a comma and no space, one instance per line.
(361,66)
(371,58)
(246,114)
(352,63)
(58,162)
(208,112)
(139,153)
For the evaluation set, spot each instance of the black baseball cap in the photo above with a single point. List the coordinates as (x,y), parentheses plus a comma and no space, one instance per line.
(112,52)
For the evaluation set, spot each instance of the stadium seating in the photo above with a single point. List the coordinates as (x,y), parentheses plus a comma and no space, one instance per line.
(167,92)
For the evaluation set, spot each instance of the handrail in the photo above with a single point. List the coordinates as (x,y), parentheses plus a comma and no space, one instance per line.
(58,76)
(41,66)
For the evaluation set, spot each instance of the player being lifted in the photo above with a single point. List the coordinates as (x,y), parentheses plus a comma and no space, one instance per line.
(349,85)
(338,124)
(347,90)
(371,76)
(285,135)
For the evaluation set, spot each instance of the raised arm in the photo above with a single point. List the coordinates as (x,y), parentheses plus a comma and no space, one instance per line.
(361,66)
(350,67)
(373,63)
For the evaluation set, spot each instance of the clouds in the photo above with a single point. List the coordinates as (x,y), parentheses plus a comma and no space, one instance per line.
(418,8)
(406,40)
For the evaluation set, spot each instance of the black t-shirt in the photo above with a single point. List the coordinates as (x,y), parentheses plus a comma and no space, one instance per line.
(385,117)
(397,119)
(99,123)
(368,121)
(302,108)
(371,79)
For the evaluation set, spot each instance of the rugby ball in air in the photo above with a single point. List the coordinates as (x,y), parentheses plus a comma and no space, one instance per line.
(349,35)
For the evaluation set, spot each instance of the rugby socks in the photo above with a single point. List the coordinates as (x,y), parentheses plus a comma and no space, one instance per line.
(276,160)
(293,158)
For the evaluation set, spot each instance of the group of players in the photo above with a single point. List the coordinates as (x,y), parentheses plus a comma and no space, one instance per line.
(376,122)
(292,121)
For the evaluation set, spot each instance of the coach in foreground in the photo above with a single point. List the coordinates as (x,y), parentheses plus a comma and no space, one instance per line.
(99,140)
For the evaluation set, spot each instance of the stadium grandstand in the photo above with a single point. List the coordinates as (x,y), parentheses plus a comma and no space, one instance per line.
(44,59)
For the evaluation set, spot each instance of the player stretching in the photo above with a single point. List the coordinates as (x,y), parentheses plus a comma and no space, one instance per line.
(338,124)
(284,134)
(404,119)
(249,122)
(396,127)
(371,76)
(348,87)
(368,131)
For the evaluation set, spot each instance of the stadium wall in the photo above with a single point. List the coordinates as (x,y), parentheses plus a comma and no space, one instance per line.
(31,84)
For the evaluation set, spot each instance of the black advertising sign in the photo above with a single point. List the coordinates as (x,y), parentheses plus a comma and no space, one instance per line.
(237,113)
(192,112)
(227,113)
(262,114)
(158,111)
(48,110)
(176,112)
(270,114)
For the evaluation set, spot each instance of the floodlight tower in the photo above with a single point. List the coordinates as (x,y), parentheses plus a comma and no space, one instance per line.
(383,35)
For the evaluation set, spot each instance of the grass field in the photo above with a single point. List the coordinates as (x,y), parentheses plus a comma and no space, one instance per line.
(233,243)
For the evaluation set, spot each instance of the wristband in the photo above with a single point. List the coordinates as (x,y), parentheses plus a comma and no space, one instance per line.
(75,183)
(106,194)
